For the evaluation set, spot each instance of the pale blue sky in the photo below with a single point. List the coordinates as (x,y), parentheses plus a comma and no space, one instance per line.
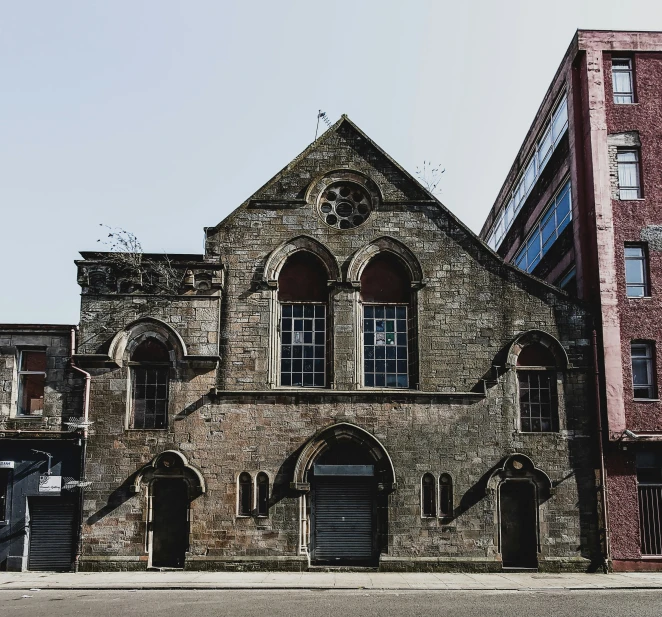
(162,116)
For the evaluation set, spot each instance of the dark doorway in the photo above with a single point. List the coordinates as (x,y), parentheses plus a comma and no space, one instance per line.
(345,512)
(52,521)
(519,524)
(170,528)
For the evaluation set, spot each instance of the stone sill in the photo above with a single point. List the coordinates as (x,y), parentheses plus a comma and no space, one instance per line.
(395,393)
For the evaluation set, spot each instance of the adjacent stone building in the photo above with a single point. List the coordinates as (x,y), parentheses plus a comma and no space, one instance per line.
(42,438)
(580,208)
(348,376)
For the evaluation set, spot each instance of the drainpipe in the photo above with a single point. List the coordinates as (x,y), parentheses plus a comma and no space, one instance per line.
(86,415)
(603,471)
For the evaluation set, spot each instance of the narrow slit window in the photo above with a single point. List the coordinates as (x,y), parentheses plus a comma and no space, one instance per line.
(245,502)
(32,381)
(643,373)
(445,495)
(262,494)
(623,82)
(428,505)
(636,271)
(629,181)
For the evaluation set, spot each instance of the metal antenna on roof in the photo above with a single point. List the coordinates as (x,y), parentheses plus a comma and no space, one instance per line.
(321,114)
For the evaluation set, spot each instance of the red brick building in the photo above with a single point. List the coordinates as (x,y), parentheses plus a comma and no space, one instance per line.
(582,208)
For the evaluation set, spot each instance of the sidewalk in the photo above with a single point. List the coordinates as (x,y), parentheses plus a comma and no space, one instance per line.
(326,580)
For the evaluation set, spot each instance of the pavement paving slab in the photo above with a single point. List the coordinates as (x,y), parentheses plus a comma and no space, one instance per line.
(327,580)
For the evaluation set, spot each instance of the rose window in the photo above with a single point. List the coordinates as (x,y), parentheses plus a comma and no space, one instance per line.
(344,205)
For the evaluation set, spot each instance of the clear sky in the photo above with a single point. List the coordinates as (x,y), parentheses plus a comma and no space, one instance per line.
(162,116)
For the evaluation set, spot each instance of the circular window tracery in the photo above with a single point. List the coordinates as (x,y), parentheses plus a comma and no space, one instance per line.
(345,205)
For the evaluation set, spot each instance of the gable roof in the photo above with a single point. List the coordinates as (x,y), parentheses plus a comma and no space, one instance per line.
(423,197)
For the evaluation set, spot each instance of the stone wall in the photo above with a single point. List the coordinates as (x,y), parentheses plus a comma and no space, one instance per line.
(460,416)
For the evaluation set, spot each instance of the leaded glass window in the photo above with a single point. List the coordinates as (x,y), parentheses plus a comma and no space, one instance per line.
(303,345)
(385,346)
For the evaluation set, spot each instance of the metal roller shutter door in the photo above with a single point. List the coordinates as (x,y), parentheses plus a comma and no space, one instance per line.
(51,534)
(343,521)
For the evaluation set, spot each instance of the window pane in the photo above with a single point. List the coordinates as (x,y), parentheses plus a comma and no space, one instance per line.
(32,394)
(33,361)
(537,398)
(385,351)
(634,271)
(150,397)
(303,342)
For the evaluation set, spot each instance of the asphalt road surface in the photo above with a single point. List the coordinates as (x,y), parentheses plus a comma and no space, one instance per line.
(317,603)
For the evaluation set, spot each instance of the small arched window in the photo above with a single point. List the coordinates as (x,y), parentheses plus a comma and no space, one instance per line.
(262,483)
(428,502)
(386,299)
(536,377)
(245,501)
(150,373)
(303,298)
(445,495)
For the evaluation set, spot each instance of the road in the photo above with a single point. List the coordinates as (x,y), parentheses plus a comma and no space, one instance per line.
(287,603)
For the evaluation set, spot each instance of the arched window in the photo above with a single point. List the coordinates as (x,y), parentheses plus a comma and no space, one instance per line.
(303,298)
(445,495)
(262,483)
(245,501)
(538,401)
(150,371)
(386,301)
(428,502)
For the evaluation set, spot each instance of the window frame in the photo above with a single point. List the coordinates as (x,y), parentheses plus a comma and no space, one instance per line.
(21,373)
(629,70)
(643,259)
(649,358)
(281,345)
(241,486)
(554,418)
(259,512)
(450,498)
(408,346)
(637,188)
(536,234)
(432,514)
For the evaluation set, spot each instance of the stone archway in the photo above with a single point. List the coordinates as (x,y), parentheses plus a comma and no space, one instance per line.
(345,475)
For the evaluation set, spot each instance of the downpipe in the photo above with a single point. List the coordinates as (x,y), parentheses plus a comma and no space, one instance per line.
(86,415)
(603,471)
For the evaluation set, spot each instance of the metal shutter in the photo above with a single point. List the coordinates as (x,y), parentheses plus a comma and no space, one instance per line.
(51,534)
(343,520)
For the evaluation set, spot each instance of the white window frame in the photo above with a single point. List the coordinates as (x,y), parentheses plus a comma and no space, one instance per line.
(648,354)
(627,191)
(622,97)
(20,373)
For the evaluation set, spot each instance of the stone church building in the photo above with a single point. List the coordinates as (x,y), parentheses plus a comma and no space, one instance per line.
(347,377)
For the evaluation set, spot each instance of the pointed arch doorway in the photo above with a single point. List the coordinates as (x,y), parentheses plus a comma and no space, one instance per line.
(345,476)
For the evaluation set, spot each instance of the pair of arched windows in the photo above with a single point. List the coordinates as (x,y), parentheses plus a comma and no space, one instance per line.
(436,496)
(305,329)
(150,376)
(253,495)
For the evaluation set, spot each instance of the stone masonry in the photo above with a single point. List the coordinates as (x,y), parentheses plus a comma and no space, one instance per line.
(228,415)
